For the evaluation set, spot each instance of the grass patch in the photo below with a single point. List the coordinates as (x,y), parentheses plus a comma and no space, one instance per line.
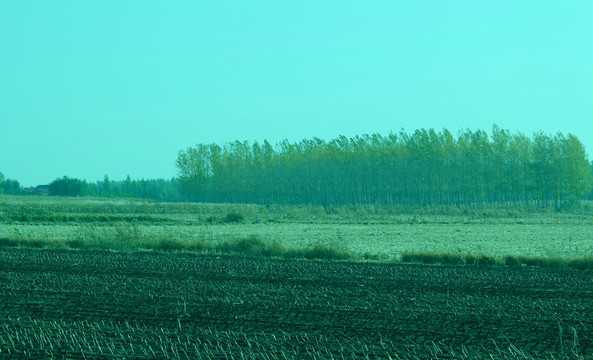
(582,263)
(428,257)
(252,245)
(35,213)
(255,246)
(325,252)
(439,258)
(101,218)
(39,243)
(169,244)
(128,238)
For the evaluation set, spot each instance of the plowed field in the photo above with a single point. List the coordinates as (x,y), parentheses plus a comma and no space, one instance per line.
(75,304)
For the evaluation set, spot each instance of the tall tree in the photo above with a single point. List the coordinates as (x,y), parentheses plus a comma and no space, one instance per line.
(10,187)
(423,168)
(577,179)
(67,187)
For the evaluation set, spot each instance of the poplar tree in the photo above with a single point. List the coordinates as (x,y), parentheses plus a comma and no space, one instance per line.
(423,168)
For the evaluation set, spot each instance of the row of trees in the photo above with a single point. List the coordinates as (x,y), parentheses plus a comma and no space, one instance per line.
(159,189)
(418,169)
(9,186)
(156,189)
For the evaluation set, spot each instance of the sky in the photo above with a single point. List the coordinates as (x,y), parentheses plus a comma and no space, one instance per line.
(117,88)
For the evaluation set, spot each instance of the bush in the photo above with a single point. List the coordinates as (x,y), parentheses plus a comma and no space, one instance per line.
(479,260)
(233,217)
(75,244)
(252,245)
(421,257)
(326,252)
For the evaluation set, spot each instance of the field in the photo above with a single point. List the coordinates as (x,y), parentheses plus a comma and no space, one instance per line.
(59,303)
(363,231)
(208,281)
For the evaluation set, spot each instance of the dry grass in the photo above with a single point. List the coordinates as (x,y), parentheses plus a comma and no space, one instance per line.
(582,263)
(130,240)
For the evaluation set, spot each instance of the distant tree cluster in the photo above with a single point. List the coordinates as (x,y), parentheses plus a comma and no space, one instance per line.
(9,186)
(67,186)
(418,169)
(156,189)
(159,189)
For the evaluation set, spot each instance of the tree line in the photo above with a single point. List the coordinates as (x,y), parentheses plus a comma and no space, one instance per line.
(155,189)
(411,169)
(422,168)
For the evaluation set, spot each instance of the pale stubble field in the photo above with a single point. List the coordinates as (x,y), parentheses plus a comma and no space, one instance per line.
(384,236)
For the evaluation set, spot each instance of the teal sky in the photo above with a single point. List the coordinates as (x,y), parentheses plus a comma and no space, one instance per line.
(89,88)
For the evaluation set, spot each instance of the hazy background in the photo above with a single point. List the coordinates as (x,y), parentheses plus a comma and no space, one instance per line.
(119,87)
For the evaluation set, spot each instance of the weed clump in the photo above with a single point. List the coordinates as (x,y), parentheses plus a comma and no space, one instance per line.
(233,217)
(582,263)
(255,246)
(447,258)
(251,245)
(326,252)
(6,242)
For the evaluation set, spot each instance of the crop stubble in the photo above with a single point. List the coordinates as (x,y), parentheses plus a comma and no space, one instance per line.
(153,305)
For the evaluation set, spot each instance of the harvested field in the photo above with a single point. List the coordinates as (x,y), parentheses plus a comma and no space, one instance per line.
(364,231)
(75,304)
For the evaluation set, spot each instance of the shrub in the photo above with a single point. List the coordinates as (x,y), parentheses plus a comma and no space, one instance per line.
(479,260)
(454,259)
(233,217)
(75,244)
(326,252)
(252,245)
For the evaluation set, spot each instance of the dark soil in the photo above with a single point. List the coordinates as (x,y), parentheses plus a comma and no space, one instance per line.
(153,305)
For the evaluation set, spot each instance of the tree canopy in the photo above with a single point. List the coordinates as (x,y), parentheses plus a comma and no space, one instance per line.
(9,186)
(156,189)
(67,187)
(411,169)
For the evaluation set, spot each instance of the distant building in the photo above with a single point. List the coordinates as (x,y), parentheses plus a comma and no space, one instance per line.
(38,190)
(42,190)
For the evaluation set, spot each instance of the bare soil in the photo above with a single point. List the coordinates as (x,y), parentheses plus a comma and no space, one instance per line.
(83,304)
